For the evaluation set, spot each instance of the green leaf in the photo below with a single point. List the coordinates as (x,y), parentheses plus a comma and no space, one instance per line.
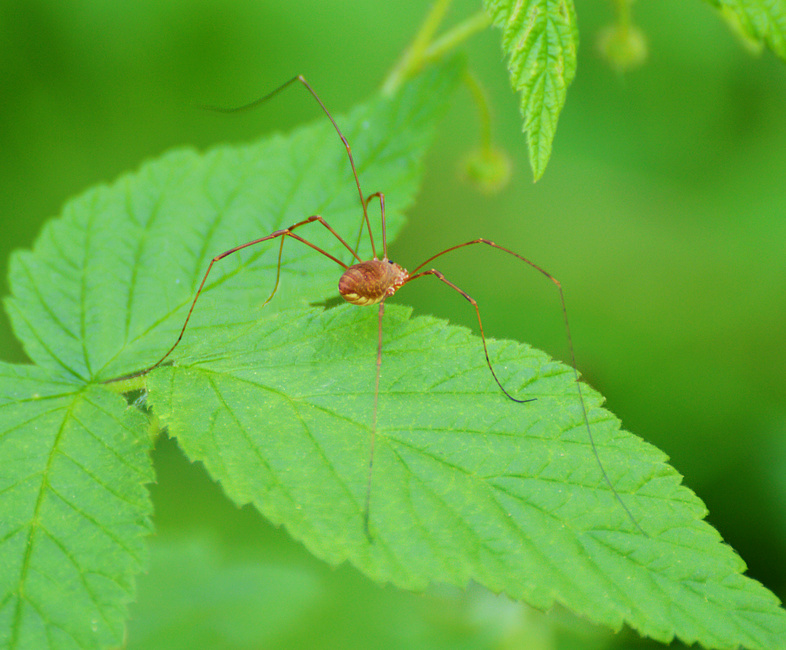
(762,21)
(106,287)
(540,39)
(73,511)
(467,485)
(278,401)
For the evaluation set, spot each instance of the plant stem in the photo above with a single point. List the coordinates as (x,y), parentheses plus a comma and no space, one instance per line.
(484,112)
(126,385)
(424,49)
(623,13)
(454,37)
(412,58)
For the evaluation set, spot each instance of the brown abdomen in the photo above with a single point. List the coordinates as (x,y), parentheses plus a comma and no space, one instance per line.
(369,282)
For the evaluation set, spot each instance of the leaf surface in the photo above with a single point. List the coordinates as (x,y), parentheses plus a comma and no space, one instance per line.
(73,511)
(107,286)
(466,485)
(540,39)
(104,293)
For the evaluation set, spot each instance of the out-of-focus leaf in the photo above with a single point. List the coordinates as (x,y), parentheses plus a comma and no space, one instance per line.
(761,21)
(201,600)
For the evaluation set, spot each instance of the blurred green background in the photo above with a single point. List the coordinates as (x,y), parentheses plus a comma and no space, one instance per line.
(663,213)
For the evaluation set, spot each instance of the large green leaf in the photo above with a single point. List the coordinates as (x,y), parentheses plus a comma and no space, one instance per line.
(540,39)
(467,485)
(277,402)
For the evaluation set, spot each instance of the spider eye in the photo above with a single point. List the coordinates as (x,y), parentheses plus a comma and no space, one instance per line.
(391,262)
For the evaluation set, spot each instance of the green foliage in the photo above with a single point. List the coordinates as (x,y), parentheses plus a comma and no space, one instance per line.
(467,485)
(277,403)
(128,258)
(104,292)
(762,21)
(540,38)
(73,510)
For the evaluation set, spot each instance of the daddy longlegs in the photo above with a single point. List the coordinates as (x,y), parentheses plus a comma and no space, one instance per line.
(372,282)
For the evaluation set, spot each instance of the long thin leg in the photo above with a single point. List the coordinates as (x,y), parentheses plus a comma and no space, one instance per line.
(369,198)
(286,232)
(474,303)
(381,197)
(419,274)
(273,93)
(367,505)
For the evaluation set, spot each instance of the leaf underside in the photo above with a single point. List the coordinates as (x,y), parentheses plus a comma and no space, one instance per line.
(540,39)
(278,402)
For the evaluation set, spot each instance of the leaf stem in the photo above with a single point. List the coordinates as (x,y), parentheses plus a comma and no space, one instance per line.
(622,9)
(411,60)
(484,111)
(454,37)
(424,49)
(126,385)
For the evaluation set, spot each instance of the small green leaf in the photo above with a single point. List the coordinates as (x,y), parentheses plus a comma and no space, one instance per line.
(73,511)
(540,38)
(762,21)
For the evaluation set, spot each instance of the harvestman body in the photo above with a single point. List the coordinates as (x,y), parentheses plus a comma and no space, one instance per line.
(371,282)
